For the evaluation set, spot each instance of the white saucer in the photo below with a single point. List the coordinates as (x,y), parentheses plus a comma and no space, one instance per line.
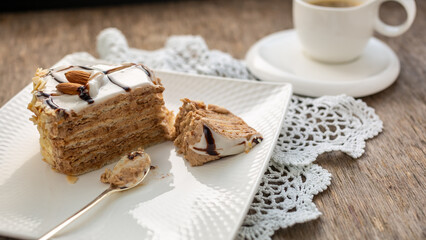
(279,58)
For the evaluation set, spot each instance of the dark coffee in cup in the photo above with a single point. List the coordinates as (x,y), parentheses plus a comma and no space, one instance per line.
(335,3)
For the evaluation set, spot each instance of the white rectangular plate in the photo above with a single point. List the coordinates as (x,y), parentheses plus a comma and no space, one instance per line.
(176,201)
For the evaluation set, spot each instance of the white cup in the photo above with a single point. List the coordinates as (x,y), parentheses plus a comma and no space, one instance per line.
(340,34)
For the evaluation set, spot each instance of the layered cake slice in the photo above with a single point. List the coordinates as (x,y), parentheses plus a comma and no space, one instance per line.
(207,133)
(88,116)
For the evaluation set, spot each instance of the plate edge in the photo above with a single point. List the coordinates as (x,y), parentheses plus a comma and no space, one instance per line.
(266,163)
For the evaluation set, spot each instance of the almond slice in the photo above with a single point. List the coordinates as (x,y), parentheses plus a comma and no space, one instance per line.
(77,76)
(69,88)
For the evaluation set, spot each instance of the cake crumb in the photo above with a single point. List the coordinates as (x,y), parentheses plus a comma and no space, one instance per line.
(218,109)
(72,179)
(165,175)
(128,170)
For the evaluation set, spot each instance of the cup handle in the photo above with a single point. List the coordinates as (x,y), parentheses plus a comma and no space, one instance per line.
(393,31)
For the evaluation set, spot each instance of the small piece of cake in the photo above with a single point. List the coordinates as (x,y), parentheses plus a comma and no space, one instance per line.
(204,134)
(89,116)
(128,170)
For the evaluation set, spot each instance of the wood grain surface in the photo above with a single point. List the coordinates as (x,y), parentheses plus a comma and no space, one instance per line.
(378,196)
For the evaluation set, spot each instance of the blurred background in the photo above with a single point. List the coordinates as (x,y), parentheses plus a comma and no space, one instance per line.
(39,33)
(50,4)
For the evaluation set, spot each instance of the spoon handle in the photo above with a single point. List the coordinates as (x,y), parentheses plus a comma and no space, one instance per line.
(77,214)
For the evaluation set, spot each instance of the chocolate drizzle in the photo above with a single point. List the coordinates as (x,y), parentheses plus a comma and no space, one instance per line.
(84,91)
(107,72)
(117,68)
(84,94)
(49,100)
(85,68)
(210,142)
(42,94)
(127,89)
(63,69)
(257,140)
(51,104)
(211,145)
(132,155)
(55,78)
(212,150)
(140,66)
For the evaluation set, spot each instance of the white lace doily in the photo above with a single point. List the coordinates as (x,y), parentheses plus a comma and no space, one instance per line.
(311,127)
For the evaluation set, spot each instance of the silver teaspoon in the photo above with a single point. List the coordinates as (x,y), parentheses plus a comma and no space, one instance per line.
(131,161)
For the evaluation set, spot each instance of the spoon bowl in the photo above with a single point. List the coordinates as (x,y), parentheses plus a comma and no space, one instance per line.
(138,177)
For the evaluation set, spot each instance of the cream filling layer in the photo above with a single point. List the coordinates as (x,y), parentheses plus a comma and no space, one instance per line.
(215,144)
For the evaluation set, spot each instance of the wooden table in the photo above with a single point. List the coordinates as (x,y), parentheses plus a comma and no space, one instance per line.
(379,196)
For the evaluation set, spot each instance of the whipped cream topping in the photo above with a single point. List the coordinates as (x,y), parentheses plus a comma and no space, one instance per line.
(215,144)
(106,81)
